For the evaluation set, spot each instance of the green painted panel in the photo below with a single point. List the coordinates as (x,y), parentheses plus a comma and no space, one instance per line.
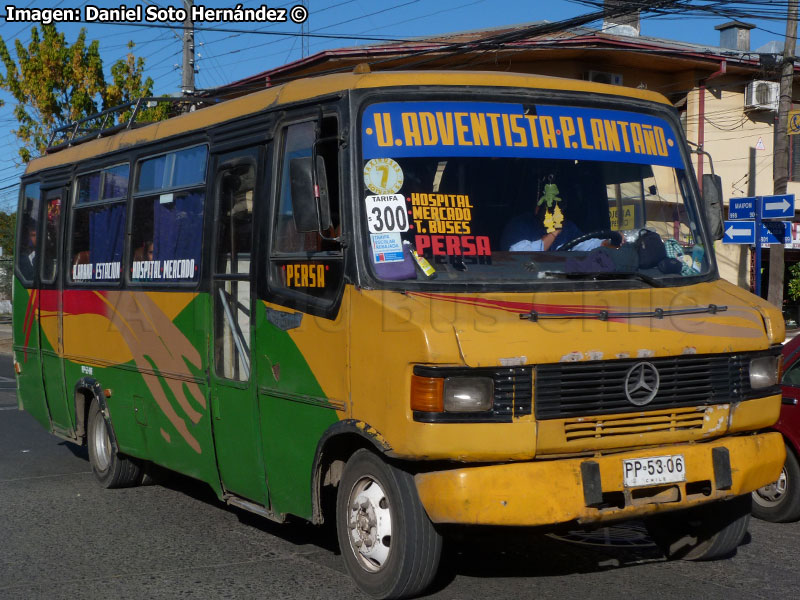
(25,334)
(292,419)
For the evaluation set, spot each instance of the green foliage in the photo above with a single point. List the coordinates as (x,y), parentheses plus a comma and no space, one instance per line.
(8,224)
(55,83)
(794,281)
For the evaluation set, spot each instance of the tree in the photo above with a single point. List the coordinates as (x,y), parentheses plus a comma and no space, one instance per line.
(7,227)
(55,83)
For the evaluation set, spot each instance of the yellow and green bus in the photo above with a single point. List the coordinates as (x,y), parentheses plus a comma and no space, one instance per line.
(398,302)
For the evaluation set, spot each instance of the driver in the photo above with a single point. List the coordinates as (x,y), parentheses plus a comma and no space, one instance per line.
(527,233)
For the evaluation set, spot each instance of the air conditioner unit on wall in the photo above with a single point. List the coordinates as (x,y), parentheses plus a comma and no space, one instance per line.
(604,77)
(762,95)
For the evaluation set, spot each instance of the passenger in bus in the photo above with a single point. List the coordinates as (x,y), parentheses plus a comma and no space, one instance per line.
(144,252)
(28,259)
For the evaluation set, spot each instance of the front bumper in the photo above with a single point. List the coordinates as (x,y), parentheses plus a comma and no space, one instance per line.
(590,490)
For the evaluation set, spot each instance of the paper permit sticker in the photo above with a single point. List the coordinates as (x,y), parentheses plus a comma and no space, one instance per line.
(387,213)
(383,176)
(386,247)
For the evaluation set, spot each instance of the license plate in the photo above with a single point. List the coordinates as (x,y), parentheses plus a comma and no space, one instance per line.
(653,470)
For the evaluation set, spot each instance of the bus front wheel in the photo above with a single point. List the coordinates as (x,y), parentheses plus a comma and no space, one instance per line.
(111,469)
(389,546)
(706,532)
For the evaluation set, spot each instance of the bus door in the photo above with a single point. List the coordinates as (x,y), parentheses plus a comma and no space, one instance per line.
(233,396)
(302,319)
(26,305)
(51,322)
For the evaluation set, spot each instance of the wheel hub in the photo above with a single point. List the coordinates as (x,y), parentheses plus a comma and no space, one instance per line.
(773,493)
(370,524)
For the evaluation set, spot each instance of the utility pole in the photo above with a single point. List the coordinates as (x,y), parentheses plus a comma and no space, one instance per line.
(780,155)
(305,31)
(187,81)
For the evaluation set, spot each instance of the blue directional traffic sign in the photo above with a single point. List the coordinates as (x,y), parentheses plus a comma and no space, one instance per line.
(741,208)
(777,207)
(739,232)
(776,232)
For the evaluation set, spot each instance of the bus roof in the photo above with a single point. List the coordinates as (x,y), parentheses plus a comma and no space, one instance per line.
(311,87)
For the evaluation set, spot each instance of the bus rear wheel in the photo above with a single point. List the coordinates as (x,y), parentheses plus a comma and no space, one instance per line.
(706,532)
(389,546)
(111,469)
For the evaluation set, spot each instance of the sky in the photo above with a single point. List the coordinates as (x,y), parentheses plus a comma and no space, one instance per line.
(249,48)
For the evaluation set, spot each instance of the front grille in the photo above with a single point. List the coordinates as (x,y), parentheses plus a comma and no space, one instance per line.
(566,390)
(603,427)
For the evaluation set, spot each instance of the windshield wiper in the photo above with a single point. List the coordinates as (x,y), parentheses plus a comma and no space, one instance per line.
(606,275)
(605,315)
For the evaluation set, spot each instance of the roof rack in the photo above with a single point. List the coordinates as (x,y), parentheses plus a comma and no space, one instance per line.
(105,123)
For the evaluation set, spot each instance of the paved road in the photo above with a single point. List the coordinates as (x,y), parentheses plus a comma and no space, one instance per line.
(62,536)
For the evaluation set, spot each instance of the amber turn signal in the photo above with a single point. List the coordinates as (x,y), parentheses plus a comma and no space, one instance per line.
(426,394)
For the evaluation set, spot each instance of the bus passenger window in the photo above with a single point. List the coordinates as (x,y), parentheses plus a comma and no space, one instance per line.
(167,226)
(26,237)
(52,229)
(98,225)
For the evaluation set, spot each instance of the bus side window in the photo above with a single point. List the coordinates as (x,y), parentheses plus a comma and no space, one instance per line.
(235,189)
(51,234)
(26,252)
(307,266)
(98,225)
(167,221)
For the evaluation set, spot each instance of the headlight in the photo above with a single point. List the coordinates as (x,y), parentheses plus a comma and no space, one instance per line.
(468,394)
(764,372)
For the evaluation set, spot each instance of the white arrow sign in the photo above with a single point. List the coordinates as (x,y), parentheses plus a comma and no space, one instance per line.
(735,232)
(782,205)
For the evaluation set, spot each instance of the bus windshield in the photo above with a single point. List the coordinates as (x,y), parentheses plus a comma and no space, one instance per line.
(495,192)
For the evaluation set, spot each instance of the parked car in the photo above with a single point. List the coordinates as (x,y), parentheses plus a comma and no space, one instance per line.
(780,500)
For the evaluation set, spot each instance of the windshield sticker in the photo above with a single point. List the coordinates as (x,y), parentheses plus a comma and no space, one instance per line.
(386,248)
(453,245)
(387,213)
(410,129)
(441,213)
(383,176)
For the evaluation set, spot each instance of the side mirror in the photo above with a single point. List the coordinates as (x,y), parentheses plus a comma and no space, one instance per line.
(309,215)
(712,200)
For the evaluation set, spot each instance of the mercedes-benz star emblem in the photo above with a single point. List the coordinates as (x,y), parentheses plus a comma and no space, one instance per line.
(641,383)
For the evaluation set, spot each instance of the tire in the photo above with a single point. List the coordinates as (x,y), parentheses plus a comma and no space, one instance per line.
(389,545)
(779,501)
(112,470)
(707,532)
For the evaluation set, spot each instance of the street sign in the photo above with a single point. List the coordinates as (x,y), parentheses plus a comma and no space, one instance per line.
(739,232)
(776,232)
(741,208)
(777,207)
